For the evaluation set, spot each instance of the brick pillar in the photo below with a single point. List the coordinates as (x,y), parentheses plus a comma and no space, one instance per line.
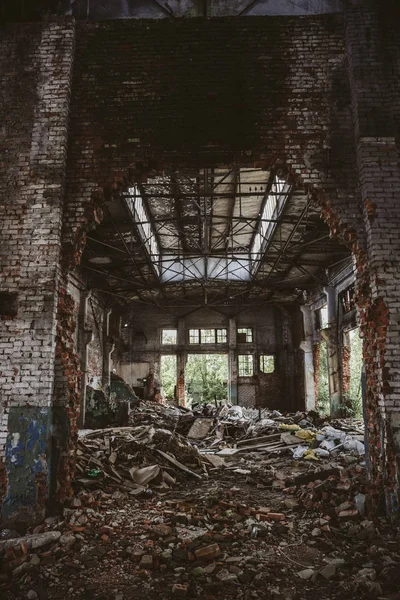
(181,359)
(232,363)
(379,180)
(32,192)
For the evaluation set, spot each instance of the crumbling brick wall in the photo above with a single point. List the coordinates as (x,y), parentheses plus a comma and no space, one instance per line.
(35,71)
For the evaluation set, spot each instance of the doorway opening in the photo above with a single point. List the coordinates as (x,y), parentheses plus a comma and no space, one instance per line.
(168,371)
(206,378)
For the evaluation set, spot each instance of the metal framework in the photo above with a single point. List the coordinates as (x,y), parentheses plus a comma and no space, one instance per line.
(216,236)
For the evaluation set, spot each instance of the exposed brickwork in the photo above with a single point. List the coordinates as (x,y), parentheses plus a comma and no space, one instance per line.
(379,176)
(35,67)
(345,363)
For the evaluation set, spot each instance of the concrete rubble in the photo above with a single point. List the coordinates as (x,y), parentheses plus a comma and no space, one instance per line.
(246,508)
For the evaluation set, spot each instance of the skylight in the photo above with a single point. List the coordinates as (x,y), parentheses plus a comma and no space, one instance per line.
(271,211)
(141,217)
(214,227)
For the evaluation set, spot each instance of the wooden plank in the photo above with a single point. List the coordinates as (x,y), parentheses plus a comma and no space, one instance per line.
(178,464)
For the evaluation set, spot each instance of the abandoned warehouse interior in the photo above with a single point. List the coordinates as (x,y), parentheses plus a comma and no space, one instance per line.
(195,178)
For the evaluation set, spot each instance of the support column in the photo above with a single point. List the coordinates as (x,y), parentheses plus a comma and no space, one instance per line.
(330,336)
(181,359)
(368,43)
(307,347)
(108,349)
(232,362)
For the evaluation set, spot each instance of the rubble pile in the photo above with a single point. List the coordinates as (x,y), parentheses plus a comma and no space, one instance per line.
(237,505)
(130,458)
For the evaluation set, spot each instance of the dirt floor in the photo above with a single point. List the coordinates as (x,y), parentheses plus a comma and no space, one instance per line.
(286,530)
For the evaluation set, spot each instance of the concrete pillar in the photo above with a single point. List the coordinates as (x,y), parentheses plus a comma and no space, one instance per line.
(307,347)
(232,362)
(108,349)
(329,334)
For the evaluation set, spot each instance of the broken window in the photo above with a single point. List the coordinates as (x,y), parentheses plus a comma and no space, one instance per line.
(169,336)
(245,365)
(267,363)
(245,335)
(347,299)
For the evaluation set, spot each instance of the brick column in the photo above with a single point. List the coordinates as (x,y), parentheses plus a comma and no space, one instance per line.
(181,359)
(32,192)
(232,363)
(379,180)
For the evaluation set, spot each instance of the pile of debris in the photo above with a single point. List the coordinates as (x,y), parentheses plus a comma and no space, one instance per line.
(216,502)
(130,458)
(155,455)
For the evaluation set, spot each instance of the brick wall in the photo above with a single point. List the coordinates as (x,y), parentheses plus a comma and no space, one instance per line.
(375,117)
(35,71)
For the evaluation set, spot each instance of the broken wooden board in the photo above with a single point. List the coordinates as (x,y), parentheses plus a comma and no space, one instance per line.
(178,464)
(259,440)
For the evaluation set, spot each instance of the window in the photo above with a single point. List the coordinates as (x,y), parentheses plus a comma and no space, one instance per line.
(245,365)
(208,336)
(267,363)
(194,336)
(347,299)
(245,335)
(222,337)
(169,336)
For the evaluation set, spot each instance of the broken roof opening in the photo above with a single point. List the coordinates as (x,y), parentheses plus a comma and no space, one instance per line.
(207,224)
(228,235)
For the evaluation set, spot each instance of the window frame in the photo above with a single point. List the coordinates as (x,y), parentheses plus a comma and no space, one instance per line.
(197,333)
(241,330)
(239,366)
(174,343)
(260,361)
